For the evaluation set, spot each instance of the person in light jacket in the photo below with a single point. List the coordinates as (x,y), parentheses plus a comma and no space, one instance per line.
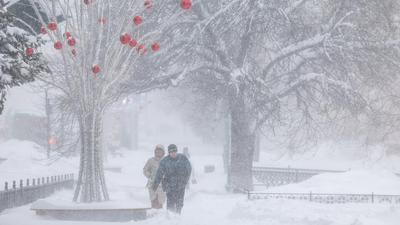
(157,196)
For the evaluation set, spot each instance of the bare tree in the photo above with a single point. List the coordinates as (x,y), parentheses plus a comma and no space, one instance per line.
(285,63)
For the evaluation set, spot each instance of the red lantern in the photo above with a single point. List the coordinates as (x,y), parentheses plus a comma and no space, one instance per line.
(87,2)
(51,141)
(141,49)
(52,26)
(67,34)
(101,21)
(73,51)
(147,4)
(58,45)
(96,69)
(71,41)
(155,46)
(125,38)
(43,30)
(186,4)
(132,43)
(137,20)
(29,51)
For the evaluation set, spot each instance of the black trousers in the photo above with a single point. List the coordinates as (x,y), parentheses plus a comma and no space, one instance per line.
(175,200)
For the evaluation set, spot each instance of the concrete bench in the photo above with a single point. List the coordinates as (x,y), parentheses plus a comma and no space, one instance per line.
(89,212)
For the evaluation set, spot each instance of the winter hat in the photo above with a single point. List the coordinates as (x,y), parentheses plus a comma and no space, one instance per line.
(159,147)
(172,148)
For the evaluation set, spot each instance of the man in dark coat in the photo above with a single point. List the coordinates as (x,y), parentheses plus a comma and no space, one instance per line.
(174,173)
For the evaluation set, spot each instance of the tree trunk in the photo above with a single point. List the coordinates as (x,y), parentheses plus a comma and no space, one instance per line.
(227,145)
(91,182)
(243,145)
(257,147)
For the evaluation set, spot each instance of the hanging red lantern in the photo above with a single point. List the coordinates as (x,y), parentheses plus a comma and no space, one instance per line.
(29,51)
(43,30)
(51,141)
(73,51)
(147,4)
(71,41)
(132,43)
(96,69)
(125,38)
(137,20)
(186,4)
(141,49)
(101,20)
(52,26)
(87,2)
(67,34)
(58,45)
(155,46)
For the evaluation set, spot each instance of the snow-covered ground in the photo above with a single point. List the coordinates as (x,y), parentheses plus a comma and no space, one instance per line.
(207,203)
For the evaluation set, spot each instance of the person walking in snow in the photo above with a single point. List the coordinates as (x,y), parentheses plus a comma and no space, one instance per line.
(174,173)
(157,196)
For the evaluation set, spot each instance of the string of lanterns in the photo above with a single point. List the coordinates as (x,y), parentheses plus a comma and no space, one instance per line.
(125,38)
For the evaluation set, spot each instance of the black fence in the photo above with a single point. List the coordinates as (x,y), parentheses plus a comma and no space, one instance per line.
(328,198)
(276,176)
(273,176)
(16,194)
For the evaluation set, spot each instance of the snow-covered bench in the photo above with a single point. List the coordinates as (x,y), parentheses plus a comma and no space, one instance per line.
(104,211)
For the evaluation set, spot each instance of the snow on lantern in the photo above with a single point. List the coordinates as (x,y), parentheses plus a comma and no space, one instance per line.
(96,69)
(132,43)
(125,38)
(29,51)
(43,30)
(186,4)
(141,49)
(58,45)
(52,26)
(71,41)
(137,20)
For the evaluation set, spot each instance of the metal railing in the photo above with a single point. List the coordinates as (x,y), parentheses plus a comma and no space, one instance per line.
(14,196)
(328,198)
(274,176)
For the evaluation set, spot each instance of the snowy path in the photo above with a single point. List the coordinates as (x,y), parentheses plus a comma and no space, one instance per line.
(224,209)
(207,203)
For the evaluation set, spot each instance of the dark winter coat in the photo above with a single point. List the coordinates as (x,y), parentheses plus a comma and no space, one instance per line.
(173,173)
